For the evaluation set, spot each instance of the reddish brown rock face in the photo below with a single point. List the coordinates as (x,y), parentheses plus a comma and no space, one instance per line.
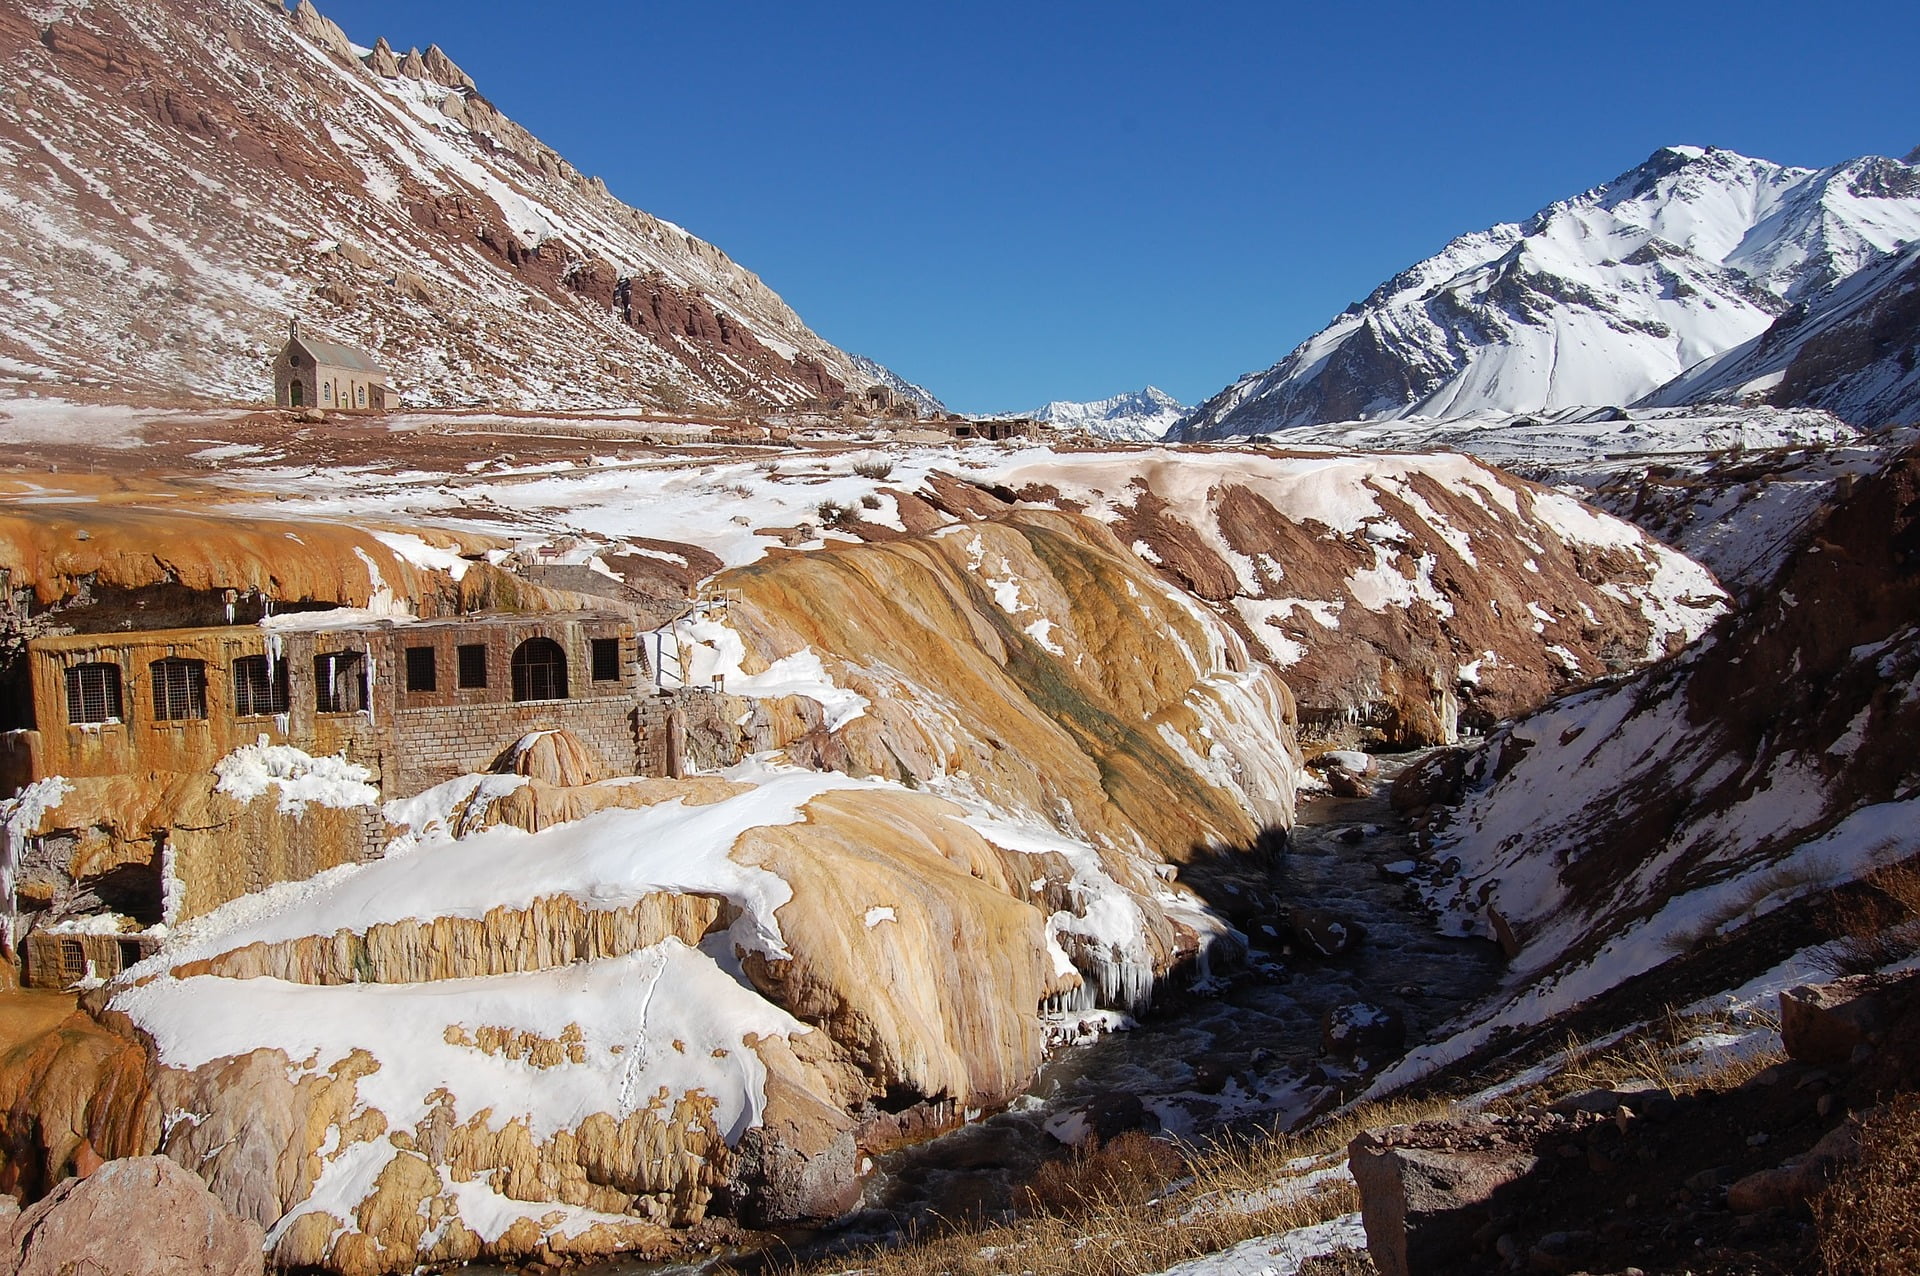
(1782,739)
(481,267)
(1400,596)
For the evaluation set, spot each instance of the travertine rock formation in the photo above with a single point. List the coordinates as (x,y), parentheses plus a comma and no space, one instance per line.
(1401,592)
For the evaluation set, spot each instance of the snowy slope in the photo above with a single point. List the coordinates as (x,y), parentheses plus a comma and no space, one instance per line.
(180,178)
(1854,350)
(1138,414)
(1598,299)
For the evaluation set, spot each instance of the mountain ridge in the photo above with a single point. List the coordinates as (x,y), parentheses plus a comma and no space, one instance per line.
(1597,299)
(187,176)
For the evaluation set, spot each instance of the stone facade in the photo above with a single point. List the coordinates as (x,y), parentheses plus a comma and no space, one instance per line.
(61,959)
(416,701)
(311,373)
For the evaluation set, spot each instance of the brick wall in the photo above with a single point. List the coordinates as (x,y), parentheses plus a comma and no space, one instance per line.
(432,745)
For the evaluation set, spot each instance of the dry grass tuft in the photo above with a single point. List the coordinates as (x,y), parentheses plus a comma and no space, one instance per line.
(1868,1221)
(1115,1210)
(1877,921)
(1127,1171)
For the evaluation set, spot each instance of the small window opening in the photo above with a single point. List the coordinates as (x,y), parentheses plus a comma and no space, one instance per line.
(420,670)
(259,687)
(606,660)
(93,692)
(473,665)
(539,670)
(73,960)
(179,689)
(130,954)
(340,682)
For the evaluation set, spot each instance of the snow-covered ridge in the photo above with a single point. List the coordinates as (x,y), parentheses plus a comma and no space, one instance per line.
(1599,299)
(1137,414)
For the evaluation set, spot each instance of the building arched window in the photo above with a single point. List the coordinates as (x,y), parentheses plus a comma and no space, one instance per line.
(326,392)
(359,395)
(539,670)
(179,689)
(93,692)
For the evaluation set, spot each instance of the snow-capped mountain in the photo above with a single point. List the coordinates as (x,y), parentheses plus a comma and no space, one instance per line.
(182,176)
(1853,350)
(1599,299)
(1139,414)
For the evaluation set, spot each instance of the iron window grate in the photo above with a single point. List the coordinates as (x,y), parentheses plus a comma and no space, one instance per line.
(179,689)
(259,687)
(93,693)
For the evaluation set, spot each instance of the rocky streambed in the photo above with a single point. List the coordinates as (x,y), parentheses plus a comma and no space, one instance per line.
(1249,1046)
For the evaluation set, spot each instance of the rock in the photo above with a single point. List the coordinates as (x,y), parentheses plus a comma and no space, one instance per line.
(382,61)
(1635,1096)
(1800,1179)
(1351,761)
(1827,1023)
(145,1216)
(554,757)
(1324,933)
(1348,785)
(1116,1112)
(311,416)
(1422,1205)
(1437,779)
(1363,1032)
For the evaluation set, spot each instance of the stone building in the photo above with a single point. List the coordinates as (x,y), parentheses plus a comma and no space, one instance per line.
(312,373)
(134,723)
(417,701)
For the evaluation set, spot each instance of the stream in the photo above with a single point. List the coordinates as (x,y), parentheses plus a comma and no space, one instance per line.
(1243,1053)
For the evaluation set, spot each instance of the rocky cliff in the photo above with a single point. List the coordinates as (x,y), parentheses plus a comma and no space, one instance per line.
(1627,823)
(1399,594)
(185,176)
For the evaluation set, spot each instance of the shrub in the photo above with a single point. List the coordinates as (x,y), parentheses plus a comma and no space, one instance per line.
(869,502)
(1868,1221)
(833,514)
(873,469)
(1128,1169)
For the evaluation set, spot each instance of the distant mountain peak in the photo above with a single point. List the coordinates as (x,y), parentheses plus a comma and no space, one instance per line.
(1137,414)
(1598,299)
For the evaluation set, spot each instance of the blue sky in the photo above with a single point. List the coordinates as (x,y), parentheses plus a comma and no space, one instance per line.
(1011,203)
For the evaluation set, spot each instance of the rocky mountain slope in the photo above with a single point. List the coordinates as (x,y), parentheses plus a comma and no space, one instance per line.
(181,178)
(1600,299)
(1401,596)
(1853,350)
(1631,822)
(1138,414)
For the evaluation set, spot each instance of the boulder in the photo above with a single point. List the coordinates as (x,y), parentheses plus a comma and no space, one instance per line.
(1360,1032)
(144,1216)
(1422,1205)
(1800,1179)
(1825,1023)
(1325,933)
(555,757)
(1347,784)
